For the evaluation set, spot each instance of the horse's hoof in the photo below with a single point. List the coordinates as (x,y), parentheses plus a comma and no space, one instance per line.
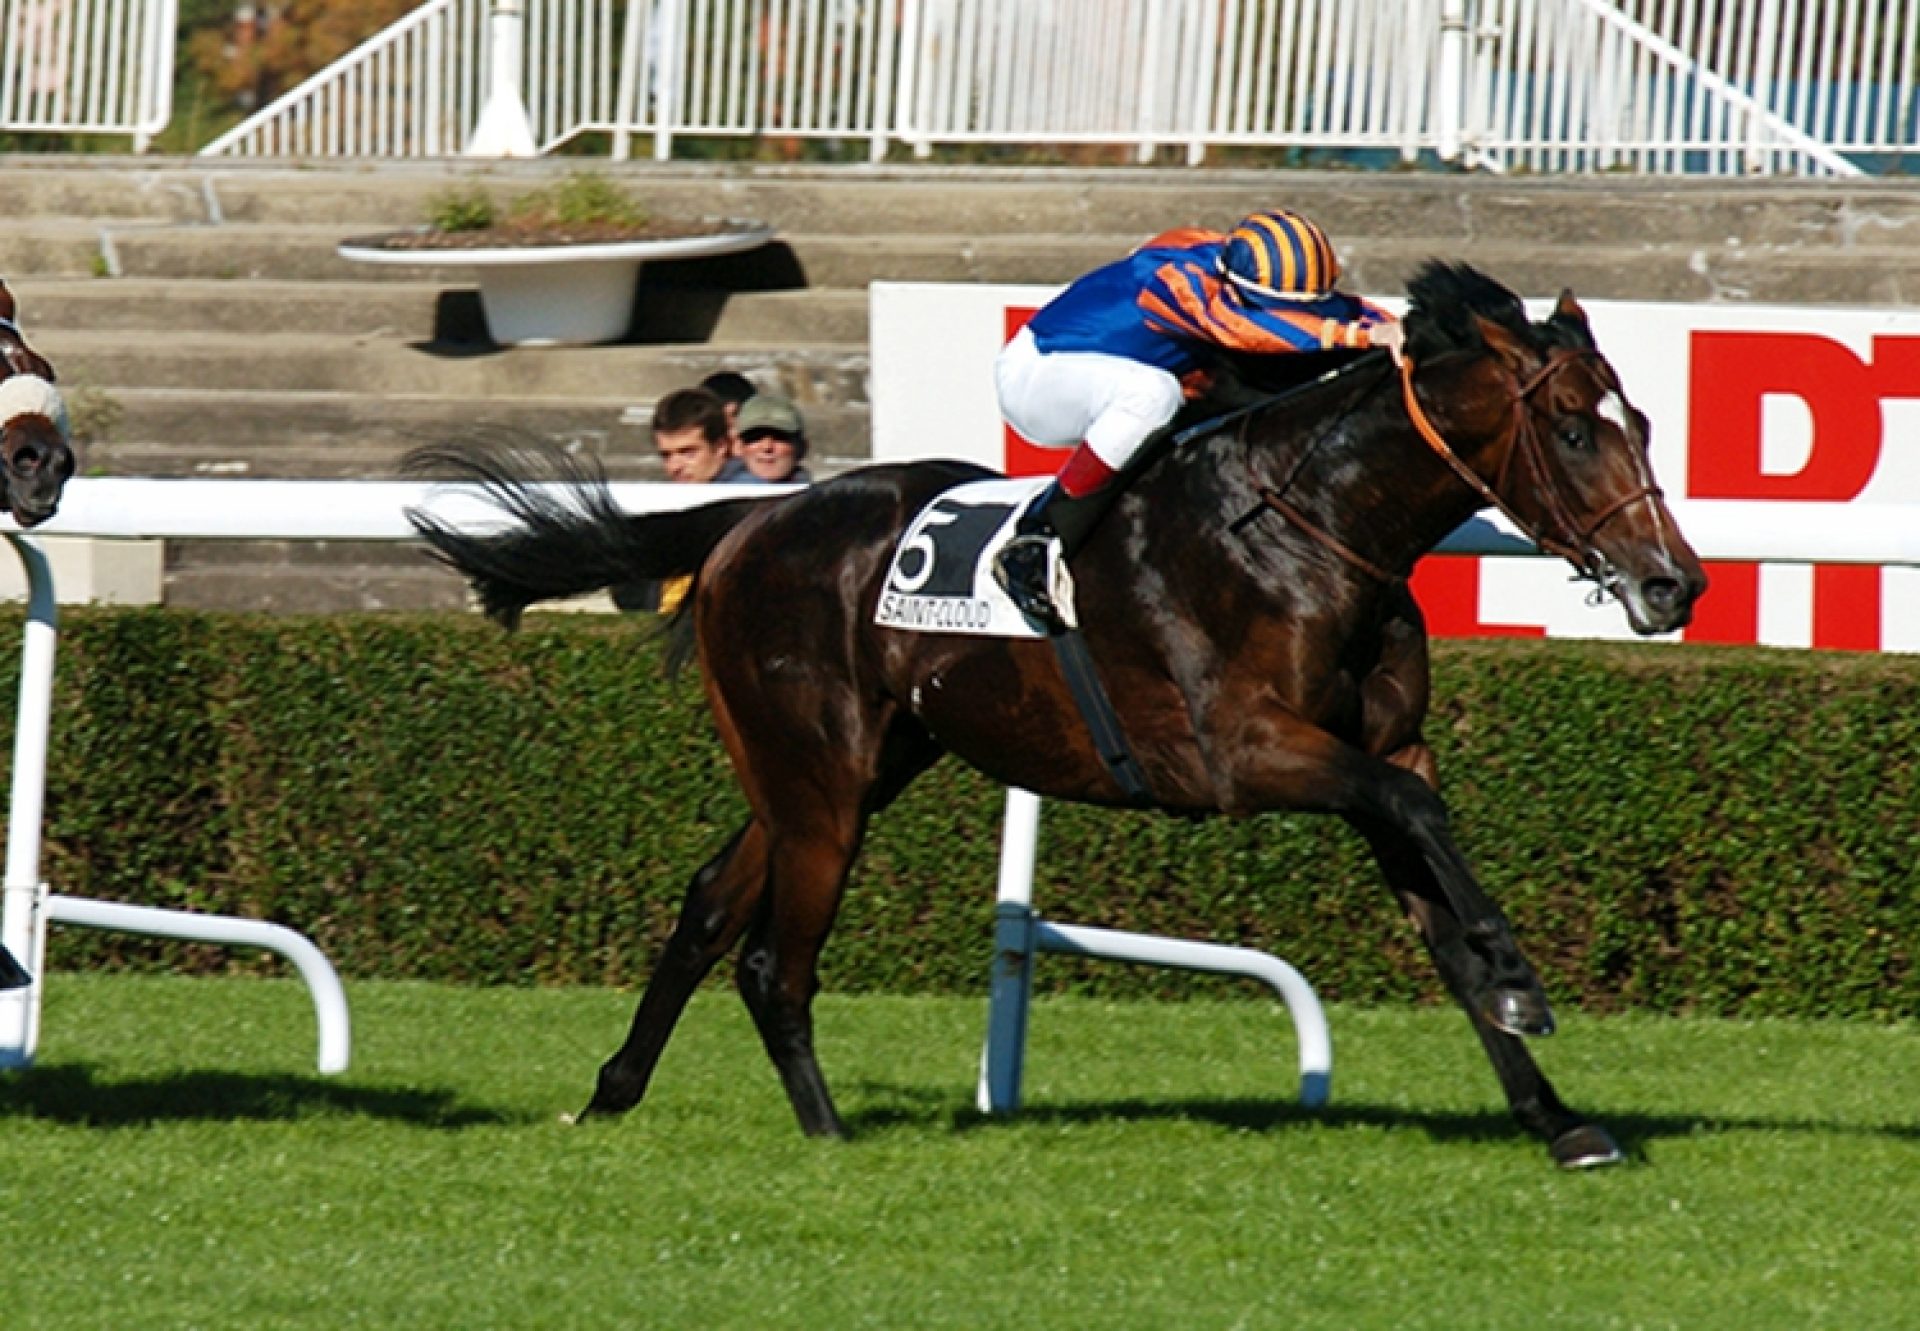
(1520,1012)
(1588,1146)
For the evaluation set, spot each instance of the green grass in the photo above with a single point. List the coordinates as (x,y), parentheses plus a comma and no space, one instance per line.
(171,1162)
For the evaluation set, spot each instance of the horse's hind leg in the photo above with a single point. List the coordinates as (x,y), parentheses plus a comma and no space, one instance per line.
(822,821)
(778,974)
(721,902)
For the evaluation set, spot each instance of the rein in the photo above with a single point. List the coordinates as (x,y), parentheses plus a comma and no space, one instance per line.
(1576,547)
(1578,550)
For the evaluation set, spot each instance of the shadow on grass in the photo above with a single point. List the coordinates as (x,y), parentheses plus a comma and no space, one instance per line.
(75,1093)
(892,1107)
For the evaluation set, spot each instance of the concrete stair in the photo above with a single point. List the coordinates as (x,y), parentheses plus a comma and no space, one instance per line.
(205,325)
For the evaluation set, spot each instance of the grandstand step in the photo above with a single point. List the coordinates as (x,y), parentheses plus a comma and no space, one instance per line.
(193,305)
(193,432)
(62,248)
(447,309)
(907,199)
(1656,269)
(119,189)
(381,366)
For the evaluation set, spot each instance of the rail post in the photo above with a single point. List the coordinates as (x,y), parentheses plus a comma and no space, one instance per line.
(1020,933)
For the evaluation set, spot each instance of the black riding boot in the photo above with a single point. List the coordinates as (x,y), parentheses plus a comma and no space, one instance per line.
(1020,566)
(12,974)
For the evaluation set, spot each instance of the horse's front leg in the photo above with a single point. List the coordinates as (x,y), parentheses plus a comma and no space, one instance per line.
(1273,759)
(1574,1142)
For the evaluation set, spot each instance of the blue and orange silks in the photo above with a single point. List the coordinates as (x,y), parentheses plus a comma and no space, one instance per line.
(1167,304)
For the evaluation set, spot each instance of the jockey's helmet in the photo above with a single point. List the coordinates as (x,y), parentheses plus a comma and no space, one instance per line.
(1280,256)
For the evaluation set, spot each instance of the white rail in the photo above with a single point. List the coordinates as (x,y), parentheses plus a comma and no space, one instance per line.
(417,88)
(1669,86)
(27,907)
(1690,86)
(87,66)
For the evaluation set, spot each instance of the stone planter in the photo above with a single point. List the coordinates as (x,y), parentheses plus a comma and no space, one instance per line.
(559,295)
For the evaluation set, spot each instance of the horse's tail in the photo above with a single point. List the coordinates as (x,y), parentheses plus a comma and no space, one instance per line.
(567,536)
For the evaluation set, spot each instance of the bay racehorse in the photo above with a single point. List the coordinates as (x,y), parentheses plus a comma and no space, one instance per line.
(1245,601)
(36,462)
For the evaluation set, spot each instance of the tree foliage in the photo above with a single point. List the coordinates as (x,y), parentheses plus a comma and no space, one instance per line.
(253,53)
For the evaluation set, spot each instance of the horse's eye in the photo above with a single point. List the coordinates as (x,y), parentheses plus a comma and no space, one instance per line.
(1574,433)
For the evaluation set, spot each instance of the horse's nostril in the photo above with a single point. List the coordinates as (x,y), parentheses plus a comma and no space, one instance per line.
(26,458)
(1661,593)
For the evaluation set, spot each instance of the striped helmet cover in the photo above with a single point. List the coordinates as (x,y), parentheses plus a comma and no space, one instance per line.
(1280,255)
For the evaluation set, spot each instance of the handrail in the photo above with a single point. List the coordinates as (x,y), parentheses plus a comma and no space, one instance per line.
(1672,86)
(271,123)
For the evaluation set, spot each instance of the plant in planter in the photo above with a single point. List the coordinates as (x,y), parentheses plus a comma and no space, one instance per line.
(558,264)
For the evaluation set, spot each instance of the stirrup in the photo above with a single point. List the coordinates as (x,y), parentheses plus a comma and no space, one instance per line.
(1024,569)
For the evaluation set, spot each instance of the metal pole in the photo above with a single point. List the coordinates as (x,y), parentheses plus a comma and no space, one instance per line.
(503,129)
(323,982)
(1011,992)
(1453,76)
(21,928)
(666,75)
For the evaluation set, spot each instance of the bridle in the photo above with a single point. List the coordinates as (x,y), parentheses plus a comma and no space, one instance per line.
(1571,541)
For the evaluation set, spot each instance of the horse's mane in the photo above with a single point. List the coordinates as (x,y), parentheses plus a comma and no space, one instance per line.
(1446,301)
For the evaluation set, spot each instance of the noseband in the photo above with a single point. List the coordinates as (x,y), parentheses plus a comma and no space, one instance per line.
(1571,542)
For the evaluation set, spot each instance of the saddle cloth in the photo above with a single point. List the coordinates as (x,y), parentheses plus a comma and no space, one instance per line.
(941,578)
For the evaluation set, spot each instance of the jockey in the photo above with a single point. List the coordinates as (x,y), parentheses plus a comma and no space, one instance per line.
(1110,359)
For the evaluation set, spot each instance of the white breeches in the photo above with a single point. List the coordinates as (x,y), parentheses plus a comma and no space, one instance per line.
(1067,397)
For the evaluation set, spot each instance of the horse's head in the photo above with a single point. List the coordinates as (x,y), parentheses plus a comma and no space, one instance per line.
(1568,452)
(36,444)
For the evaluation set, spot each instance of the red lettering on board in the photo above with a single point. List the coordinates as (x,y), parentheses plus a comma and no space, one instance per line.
(1730,611)
(1846,607)
(1019,455)
(1733,373)
(1448,590)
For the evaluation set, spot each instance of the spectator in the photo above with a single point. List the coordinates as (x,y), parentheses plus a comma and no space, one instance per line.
(731,388)
(695,443)
(773,440)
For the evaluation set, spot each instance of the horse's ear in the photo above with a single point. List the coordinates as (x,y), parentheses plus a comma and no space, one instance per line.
(1506,344)
(1568,325)
(6,302)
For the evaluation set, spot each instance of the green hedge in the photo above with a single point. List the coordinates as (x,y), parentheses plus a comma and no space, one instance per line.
(1728,831)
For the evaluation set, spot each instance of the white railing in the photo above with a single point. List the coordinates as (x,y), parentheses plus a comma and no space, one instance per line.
(87,66)
(1692,86)
(1670,86)
(417,89)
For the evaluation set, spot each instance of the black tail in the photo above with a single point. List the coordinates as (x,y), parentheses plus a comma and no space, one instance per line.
(568,537)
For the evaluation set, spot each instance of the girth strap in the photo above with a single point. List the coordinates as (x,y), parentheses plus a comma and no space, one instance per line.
(1090,696)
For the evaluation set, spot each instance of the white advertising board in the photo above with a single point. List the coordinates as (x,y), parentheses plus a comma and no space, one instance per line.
(1797,406)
